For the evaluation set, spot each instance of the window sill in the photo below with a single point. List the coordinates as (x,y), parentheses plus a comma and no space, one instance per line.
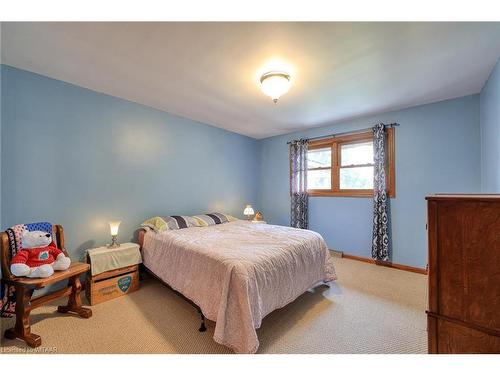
(345,193)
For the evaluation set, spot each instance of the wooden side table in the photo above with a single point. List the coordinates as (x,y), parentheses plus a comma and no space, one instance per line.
(107,281)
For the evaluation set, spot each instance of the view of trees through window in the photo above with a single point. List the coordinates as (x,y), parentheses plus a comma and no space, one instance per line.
(343,165)
(356,169)
(319,164)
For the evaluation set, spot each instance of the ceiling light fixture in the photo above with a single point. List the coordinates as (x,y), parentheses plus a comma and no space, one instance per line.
(275,84)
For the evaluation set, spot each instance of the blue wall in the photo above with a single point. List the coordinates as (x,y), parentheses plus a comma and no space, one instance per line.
(437,150)
(76,157)
(490,133)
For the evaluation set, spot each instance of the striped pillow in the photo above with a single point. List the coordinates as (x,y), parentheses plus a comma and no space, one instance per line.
(212,219)
(161,223)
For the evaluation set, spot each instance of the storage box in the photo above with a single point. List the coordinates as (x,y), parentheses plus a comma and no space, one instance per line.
(114,272)
(112,284)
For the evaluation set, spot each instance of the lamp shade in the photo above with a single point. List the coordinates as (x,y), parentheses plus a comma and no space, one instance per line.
(113,227)
(248,210)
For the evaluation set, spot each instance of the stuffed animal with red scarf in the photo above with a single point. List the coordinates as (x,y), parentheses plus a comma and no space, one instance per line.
(38,257)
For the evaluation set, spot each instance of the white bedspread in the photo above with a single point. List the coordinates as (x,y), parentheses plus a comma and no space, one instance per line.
(239,272)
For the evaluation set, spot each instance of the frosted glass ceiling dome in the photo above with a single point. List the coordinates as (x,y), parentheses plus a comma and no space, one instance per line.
(275,84)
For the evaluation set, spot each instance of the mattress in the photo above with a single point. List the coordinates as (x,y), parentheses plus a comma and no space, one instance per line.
(239,272)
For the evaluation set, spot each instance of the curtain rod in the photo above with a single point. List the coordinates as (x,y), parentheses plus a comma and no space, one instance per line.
(394,124)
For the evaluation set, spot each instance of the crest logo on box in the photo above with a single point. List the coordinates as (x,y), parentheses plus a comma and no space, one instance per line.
(124,283)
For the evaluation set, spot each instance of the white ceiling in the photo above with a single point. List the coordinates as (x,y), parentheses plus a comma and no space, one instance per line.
(209,71)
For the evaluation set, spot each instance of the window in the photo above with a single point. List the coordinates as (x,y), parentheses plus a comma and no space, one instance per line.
(356,165)
(343,166)
(319,165)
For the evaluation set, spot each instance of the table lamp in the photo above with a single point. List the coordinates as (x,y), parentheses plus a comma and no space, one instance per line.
(113,228)
(248,211)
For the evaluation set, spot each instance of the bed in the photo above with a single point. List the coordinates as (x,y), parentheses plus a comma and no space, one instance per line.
(238,272)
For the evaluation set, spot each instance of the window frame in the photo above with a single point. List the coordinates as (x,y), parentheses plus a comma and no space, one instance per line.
(335,143)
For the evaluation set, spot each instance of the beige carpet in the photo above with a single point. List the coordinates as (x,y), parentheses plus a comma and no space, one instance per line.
(371,309)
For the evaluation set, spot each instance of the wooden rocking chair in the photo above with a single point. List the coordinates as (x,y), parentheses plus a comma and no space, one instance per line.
(24,288)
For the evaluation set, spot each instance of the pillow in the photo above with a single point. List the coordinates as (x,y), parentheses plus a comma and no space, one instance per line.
(156,223)
(231,218)
(161,223)
(213,219)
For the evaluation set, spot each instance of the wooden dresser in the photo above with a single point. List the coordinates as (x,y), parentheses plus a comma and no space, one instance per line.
(464,273)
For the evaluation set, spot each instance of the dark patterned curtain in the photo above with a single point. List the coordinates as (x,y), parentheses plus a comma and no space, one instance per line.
(380,235)
(298,184)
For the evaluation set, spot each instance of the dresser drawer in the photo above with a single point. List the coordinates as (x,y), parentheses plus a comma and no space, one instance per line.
(464,281)
(454,338)
(469,262)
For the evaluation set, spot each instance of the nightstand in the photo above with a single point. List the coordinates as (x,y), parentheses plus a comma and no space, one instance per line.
(113,272)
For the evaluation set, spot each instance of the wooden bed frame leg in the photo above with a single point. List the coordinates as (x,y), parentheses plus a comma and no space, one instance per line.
(22,329)
(74,300)
(202,328)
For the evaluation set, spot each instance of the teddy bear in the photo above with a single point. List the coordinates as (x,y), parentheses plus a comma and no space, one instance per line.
(38,257)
